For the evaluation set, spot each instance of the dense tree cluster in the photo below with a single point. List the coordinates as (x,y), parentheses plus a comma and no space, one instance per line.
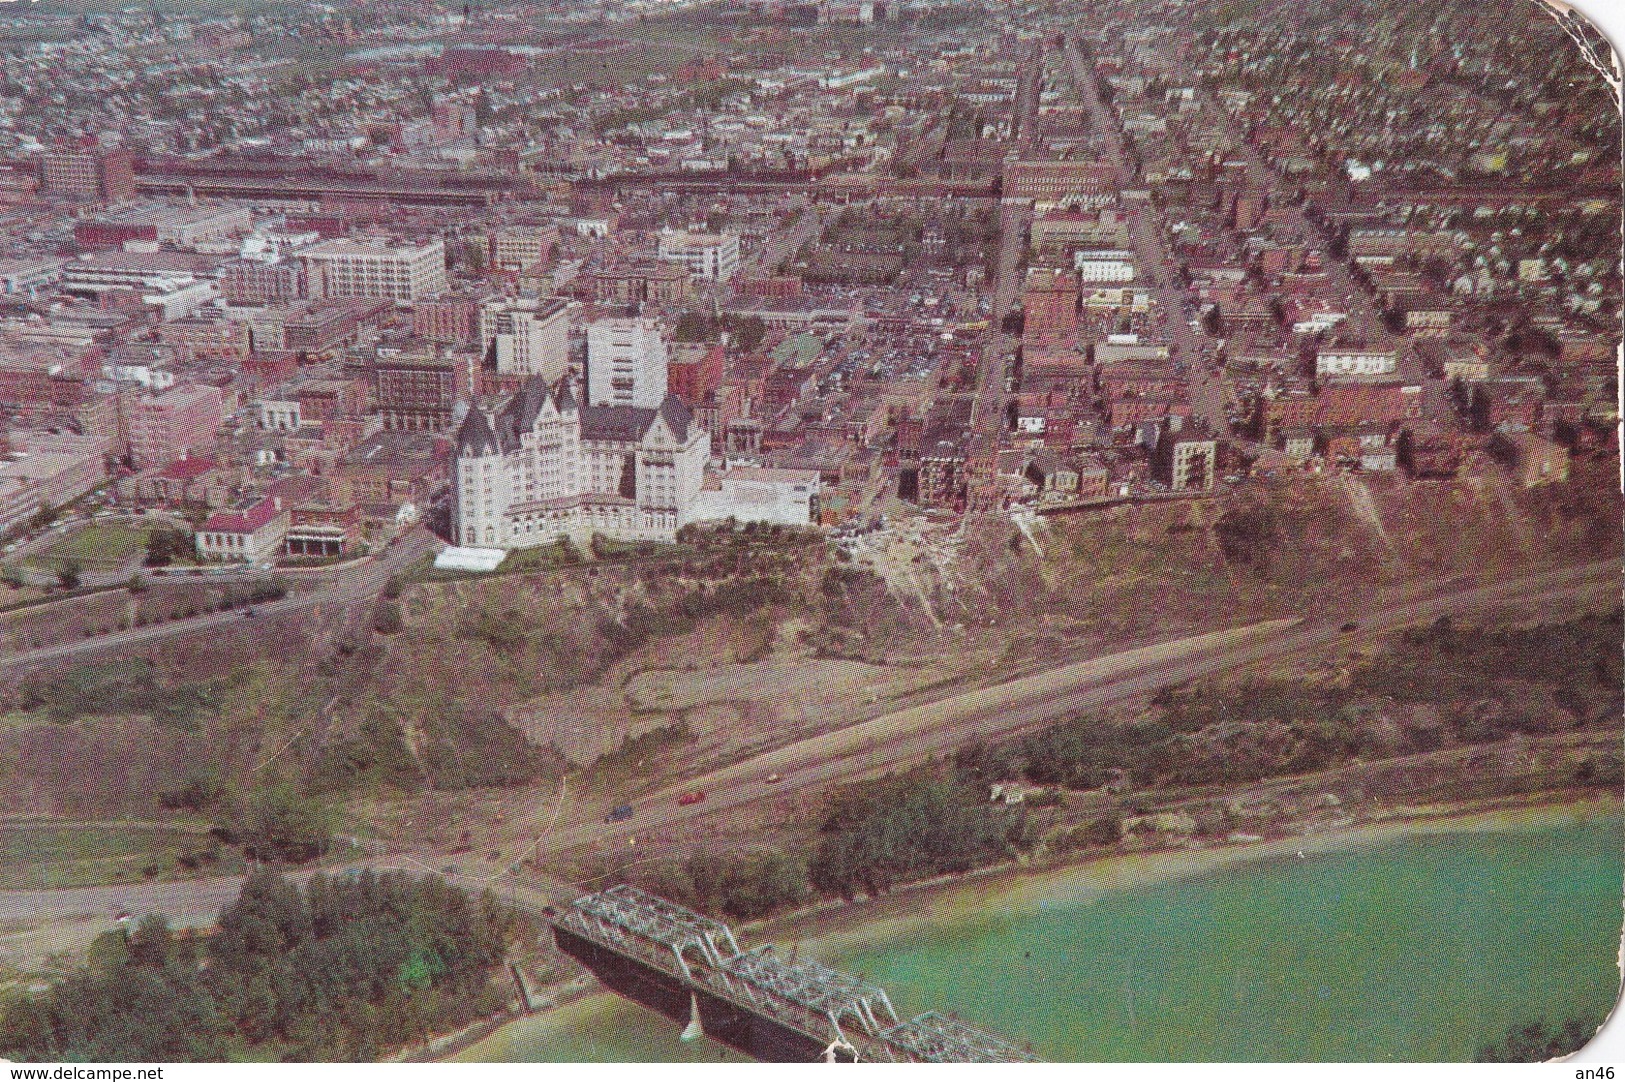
(141,999)
(1579,660)
(907,827)
(1083,753)
(876,835)
(165,546)
(740,885)
(119,687)
(376,754)
(1437,686)
(345,969)
(278,823)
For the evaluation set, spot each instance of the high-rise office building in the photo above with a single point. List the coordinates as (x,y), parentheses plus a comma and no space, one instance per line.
(530,336)
(626,363)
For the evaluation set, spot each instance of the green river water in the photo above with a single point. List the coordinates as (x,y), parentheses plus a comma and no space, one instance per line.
(1418,946)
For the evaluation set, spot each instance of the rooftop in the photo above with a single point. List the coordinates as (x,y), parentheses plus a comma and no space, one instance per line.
(185,469)
(246,520)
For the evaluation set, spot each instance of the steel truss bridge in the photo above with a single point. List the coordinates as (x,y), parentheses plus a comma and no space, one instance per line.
(824,1005)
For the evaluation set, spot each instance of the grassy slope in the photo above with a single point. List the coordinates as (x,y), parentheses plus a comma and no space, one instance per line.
(397,712)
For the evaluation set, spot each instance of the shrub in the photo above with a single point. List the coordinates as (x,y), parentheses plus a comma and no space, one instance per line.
(907,827)
(198,792)
(281,824)
(387,619)
(503,632)
(747,886)
(1103,832)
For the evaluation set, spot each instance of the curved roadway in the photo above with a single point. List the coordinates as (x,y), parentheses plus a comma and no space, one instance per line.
(903,738)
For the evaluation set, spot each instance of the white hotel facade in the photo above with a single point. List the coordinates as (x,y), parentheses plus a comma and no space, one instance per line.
(542,465)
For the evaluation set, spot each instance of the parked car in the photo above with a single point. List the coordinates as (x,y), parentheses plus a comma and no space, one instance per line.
(691,798)
(619,813)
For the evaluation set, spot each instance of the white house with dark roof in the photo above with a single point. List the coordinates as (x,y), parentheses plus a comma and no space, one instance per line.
(251,533)
(541,465)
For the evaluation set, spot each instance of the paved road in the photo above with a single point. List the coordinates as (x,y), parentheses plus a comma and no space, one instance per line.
(987,414)
(1146,232)
(1024,117)
(808,225)
(346,586)
(192,900)
(900,738)
(1363,318)
(903,738)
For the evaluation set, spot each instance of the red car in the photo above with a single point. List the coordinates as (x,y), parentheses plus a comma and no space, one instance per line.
(691,798)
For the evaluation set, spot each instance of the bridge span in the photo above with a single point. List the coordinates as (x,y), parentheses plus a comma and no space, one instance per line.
(772,1007)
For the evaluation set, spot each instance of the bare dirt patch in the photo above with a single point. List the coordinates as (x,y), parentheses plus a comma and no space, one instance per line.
(731,708)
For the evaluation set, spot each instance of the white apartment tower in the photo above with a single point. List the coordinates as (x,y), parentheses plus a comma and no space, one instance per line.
(626,363)
(529,336)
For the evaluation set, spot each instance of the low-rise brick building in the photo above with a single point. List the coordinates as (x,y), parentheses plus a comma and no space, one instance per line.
(181,421)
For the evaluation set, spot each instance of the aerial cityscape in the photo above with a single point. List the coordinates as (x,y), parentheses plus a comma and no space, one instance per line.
(884,530)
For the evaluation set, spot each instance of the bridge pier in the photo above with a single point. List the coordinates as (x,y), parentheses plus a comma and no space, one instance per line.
(679,963)
(723,1021)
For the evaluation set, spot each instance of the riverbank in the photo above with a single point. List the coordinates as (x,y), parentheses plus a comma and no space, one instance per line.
(447,1046)
(836,931)
(839,927)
